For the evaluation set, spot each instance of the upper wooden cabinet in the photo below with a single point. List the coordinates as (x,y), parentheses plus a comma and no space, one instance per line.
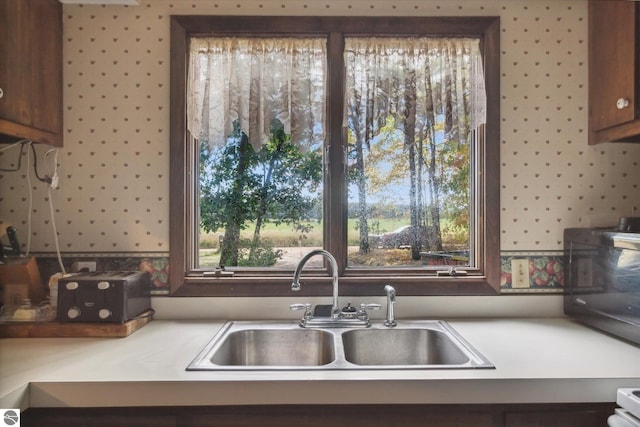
(614,71)
(31,71)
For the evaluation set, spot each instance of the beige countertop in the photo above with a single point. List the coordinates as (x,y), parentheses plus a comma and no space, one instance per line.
(537,360)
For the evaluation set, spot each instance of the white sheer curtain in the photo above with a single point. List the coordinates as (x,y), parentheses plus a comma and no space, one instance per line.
(427,79)
(252,81)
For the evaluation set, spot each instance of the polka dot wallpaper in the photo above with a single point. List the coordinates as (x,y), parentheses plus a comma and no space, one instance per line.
(113,193)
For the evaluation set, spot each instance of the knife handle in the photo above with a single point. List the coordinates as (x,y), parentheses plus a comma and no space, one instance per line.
(13,239)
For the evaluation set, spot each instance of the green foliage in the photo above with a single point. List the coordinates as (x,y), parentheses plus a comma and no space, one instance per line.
(241,187)
(259,254)
(225,180)
(285,171)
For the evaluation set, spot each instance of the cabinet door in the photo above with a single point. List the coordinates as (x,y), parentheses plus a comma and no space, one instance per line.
(322,418)
(584,418)
(98,417)
(31,70)
(612,78)
(342,416)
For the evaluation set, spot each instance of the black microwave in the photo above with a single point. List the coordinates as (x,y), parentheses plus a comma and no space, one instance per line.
(602,280)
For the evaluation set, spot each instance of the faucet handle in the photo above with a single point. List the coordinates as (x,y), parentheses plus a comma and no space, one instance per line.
(306,307)
(362,313)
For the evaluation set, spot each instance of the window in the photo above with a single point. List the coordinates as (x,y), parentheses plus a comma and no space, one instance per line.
(257,106)
(376,139)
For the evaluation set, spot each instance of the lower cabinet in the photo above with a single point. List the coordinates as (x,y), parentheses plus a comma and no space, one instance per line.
(529,415)
(345,416)
(99,417)
(595,416)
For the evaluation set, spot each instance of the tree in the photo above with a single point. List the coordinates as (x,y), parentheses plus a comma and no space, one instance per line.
(225,175)
(357,171)
(286,172)
(433,165)
(408,123)
(239,185)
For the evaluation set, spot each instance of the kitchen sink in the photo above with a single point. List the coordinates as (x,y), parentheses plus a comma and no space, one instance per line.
(269,345)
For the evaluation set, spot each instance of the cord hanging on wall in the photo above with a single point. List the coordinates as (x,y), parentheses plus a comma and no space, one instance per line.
(52,182)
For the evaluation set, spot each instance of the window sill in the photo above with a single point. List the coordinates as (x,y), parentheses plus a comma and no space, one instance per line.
(280,286)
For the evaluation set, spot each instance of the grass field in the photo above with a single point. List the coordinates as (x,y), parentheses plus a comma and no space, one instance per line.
(284,235)
(291,242)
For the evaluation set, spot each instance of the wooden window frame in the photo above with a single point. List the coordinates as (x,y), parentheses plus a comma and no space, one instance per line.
(183,283)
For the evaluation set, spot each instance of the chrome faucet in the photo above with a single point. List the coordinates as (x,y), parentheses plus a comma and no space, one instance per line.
(390,321)
(295,285)
(340,317)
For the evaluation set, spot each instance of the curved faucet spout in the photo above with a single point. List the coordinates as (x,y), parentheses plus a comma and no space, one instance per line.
(295,285)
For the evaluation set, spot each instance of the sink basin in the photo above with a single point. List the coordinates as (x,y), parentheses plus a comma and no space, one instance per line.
(275,347)
(402,347)
(414,344)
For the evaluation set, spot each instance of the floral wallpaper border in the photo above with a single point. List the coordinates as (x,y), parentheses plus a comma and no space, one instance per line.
(546,269)
(546,272)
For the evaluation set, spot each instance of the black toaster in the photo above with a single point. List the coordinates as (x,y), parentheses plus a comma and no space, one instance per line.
(113,297)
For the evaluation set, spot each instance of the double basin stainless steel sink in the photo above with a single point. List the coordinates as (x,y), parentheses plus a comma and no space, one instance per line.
(269,345)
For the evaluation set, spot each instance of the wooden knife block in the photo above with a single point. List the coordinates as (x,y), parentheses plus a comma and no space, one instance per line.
(22,271)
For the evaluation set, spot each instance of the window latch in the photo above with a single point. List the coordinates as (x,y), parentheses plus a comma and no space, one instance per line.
(452,272)
(218,272)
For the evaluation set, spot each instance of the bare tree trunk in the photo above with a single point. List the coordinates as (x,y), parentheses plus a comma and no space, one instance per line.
(434,185)
(434,232)
(363,211)
(361,179)
(264,203)
(230,248)
(409,142)
(420,187)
